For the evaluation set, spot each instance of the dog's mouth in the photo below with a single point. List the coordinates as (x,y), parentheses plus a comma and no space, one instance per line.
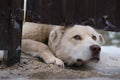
(81,62)
(77,63)
(95,59)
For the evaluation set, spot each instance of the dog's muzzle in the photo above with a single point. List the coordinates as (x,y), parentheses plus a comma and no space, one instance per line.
(95,50)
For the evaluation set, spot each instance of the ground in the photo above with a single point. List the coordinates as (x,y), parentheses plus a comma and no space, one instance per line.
(31,68)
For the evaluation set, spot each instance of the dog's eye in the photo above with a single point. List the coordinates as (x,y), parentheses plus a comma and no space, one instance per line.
(77,37)
(94,37)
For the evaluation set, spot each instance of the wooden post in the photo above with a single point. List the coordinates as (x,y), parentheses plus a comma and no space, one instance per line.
(12,30)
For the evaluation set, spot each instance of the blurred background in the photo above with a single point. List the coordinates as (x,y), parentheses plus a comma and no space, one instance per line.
(111,38)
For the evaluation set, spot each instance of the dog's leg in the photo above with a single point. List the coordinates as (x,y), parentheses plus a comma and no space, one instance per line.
(41,50)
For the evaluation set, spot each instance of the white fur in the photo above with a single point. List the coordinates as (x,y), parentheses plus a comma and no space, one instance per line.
(69,49)
(61,44)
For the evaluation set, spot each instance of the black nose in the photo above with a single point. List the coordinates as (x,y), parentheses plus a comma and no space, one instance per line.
(95,49)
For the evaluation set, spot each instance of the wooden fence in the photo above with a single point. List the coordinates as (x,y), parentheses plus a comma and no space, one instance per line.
(101,14)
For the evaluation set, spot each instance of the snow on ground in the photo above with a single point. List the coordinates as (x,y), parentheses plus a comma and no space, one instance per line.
(1,54)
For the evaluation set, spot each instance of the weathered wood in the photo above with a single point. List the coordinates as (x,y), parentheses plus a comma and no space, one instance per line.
(11,30)
(101,14)
(4,22)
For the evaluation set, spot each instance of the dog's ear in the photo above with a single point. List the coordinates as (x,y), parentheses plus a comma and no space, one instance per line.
(55,37)
(101,39)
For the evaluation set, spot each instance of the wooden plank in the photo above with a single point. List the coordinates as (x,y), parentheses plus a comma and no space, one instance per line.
(41,11)
(14,32)
(4,22)
(117,14)
(11,29)
(101,14)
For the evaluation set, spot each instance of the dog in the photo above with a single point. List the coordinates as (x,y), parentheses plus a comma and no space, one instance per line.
(58,44)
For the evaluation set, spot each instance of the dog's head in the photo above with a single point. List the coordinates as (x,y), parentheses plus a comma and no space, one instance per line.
(76,44)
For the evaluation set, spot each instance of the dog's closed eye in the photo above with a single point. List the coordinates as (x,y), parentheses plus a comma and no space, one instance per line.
(77,37)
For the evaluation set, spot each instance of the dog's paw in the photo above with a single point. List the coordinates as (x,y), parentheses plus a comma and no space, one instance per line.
(56,61)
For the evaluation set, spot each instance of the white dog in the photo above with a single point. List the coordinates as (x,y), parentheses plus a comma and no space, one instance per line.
(69,45)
